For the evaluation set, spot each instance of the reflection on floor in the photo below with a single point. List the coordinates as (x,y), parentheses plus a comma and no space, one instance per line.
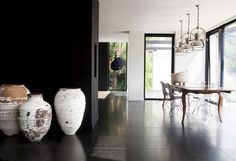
(103,94)
(136,131)
(155,94)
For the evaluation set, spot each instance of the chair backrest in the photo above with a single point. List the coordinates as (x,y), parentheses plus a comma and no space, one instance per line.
(164,86)
(171,93)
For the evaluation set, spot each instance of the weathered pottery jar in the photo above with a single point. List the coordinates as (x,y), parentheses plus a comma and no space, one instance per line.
(11,97)
(69,107)
(35,117)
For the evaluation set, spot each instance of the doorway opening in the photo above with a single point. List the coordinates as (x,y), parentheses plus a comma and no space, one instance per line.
(158,62)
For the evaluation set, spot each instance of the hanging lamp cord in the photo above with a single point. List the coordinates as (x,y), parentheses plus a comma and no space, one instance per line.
(197,16)
(181,30)
(188,24)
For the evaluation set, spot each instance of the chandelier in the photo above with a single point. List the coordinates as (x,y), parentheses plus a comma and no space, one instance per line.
(187,45)
(199,35)
(179,49)
(193,40)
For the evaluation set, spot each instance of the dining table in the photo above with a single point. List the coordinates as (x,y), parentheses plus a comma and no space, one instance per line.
(185,90)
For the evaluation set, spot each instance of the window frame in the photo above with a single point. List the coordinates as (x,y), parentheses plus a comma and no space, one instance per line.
(220,30)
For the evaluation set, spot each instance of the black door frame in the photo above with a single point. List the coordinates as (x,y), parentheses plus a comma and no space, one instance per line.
(172,57)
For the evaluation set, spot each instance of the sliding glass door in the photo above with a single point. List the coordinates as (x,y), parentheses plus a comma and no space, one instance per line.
(215,68)
(230,56)
(229,72)
(158,63)
(221,57)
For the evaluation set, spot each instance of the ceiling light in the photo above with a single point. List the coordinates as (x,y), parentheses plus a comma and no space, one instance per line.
(179,49)
(199,35)
(187,45)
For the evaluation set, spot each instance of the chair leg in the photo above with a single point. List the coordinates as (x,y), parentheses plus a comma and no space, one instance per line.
(172,108)
(163,103)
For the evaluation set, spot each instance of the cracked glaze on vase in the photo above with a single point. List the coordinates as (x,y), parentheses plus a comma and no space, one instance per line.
(69,107)
(11,97)
(35,117)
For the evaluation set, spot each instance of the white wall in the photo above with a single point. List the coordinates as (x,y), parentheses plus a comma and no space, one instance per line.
(113,37)
(195,64)
(135,72)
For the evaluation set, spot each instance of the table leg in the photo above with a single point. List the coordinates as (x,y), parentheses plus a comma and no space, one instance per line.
(220,103)
(184,105)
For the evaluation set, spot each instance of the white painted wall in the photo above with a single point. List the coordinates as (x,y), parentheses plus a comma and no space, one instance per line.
(135,72)
(195,64)
(113,37)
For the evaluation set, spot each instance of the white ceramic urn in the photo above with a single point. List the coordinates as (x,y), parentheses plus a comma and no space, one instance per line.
(35,117)
(69,107)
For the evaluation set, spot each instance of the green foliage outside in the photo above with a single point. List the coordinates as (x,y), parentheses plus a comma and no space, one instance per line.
(117,79)
(148,70)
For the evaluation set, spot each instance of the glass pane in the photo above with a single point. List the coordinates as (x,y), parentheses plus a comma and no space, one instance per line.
(117,66)
(230,58)
(157,65)
(214,60)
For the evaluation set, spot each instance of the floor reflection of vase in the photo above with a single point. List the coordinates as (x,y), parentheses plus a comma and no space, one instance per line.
(69,108)
(70,148)
(16,149)
(11,97)
(35,117)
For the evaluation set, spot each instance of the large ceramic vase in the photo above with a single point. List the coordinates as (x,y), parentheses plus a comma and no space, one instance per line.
(69,108)
(11,97)
(35,117)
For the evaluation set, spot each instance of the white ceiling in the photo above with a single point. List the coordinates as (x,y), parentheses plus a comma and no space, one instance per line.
(118,17)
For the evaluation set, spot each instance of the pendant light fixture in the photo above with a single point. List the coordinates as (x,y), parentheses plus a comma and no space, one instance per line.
(179,49)
(191,41)
(187,45)
(118,62)
(199,35)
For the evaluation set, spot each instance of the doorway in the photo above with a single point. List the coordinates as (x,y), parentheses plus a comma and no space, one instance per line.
(158,62)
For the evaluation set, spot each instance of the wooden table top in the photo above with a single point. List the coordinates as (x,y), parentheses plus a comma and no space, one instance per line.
(204,89)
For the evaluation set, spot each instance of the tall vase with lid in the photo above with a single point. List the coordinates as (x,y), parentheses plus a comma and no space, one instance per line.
(69,107)
(11,97)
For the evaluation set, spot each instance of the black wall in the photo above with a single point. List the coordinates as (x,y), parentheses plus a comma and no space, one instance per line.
(103,82)
(95,56)
(35,52)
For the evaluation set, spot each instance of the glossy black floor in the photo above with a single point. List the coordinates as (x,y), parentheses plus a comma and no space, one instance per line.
(136,131)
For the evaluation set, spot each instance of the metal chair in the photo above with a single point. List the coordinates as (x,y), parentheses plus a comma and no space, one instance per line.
(165,93)
(173,97)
